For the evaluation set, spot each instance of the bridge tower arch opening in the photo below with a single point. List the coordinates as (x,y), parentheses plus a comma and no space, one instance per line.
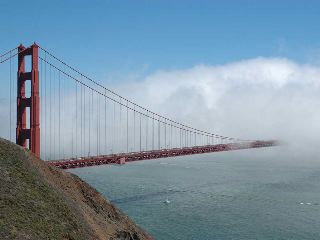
(23,134)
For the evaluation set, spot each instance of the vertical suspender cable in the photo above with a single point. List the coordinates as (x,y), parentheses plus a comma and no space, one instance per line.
(140,132)
(76,133)
(183,137)
(114,126)
(81,122)
(63,115)
(82,119)
(59,115)
(50,113)
(176,136)
(83,128)
(186,137)
(45,105)
(180,138)
(105,121)
(54,115)
(84,123)
(90,114)
(73,137)
(99,111)
(147,120)
(40,94)
(10,119)
(159,144)
(153,132)
(120,126)
(171,145)
(134,128)
(98,125)
(165,133)
(127,128)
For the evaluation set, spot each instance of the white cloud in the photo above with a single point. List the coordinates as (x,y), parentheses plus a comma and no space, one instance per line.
(257,98)
(261,98)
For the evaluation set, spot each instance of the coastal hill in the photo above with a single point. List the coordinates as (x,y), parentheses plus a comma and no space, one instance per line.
(38,201)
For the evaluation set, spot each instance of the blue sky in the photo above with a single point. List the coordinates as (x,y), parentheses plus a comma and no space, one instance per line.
(119,37)
(164,56)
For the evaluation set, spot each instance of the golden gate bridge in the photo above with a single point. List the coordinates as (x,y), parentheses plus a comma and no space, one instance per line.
(84,123)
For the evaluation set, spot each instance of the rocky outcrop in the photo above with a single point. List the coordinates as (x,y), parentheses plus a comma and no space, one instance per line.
(38,201)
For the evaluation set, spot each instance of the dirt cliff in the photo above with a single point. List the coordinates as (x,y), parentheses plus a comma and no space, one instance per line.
(38,201)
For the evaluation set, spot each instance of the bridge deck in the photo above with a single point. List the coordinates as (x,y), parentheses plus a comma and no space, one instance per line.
(164,153)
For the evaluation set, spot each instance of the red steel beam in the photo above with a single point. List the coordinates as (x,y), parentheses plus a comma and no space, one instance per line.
(33,102)
(121,158)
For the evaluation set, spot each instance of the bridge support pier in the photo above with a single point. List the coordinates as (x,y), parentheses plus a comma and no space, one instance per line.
(33,102)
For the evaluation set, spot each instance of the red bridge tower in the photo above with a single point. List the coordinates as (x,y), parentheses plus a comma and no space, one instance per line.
(33,102)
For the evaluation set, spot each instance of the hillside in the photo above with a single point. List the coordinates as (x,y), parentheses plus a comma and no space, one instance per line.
(41,202)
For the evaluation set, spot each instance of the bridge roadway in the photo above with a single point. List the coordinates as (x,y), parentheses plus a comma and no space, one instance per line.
(154,154)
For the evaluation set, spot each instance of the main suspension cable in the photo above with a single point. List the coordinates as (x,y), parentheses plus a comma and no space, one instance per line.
(125,99)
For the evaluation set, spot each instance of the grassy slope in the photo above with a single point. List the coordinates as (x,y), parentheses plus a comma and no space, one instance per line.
(41,202)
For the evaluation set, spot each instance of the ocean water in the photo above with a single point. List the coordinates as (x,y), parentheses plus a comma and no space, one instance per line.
(271,193)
